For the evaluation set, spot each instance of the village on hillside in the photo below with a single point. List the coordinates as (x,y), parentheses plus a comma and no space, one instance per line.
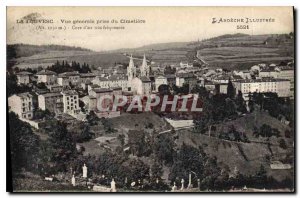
(92,147)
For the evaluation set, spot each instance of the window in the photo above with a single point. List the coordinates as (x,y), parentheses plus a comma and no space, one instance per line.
(23,109)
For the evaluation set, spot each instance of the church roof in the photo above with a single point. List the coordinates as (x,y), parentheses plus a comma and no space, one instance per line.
(145,79)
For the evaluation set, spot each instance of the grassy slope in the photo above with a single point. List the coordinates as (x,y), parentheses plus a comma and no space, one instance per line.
(248,157)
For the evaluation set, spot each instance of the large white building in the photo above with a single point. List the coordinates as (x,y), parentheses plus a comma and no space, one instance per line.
(67,78)
(46,76)
(160,80)
(23,77)
(279,86)
(22,105)
(71,102)
(111,82)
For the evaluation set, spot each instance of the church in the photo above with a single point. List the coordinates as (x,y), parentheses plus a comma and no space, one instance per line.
(139,84)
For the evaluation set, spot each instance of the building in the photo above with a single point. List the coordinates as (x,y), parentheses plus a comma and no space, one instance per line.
(268,73)
(22,105)
(46,76)
(185,64)
(279,86)
(171,79)
(87,77)
(23,77)
(96,99)
(210,86)
(222,79)
(52,102)
(186,78)
(55,88)
(68,78)
(160,80)
(71,102)
(146,85)
(221,88)
(112,81)
(288,73)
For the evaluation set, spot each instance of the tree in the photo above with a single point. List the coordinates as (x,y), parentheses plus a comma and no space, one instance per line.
(282,144)
(121,138)
(230,89)
(240,102)
(85,134)
(156,171)
(63,143)
(138,170)
(43,114)
(201,91)
(23,144)
(92,118)
(164,90)
(164,148)
(187,159)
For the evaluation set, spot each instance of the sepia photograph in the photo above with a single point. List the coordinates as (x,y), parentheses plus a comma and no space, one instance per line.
(150,99)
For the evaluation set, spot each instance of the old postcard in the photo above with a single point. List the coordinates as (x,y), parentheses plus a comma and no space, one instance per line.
(150,99)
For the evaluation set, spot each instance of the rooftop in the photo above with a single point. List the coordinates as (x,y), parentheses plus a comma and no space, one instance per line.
(101,90)
(46,72)
(185,75)
(51,94)
(66,74)
(23,73)
(25,94)
(261,80)
(69,92)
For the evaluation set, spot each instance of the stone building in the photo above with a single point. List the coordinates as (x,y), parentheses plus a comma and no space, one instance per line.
(22,105)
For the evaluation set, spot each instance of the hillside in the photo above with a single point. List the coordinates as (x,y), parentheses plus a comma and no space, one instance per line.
(242,51)
(247,157)
(227,51)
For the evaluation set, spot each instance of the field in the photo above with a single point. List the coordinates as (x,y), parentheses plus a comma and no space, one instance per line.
(243,51)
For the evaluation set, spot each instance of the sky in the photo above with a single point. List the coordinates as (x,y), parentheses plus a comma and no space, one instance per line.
(162,25)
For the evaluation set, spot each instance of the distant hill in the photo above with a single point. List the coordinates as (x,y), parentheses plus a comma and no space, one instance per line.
(242,51)
(231,51)
(25,50)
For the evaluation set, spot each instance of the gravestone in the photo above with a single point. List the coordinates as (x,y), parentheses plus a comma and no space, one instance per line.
(113,186)
(84,171)
(190,181)
(174,187)
(73,181)
(182,184)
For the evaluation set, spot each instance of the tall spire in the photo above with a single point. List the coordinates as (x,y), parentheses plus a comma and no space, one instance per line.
(144,67)
(131,64)
(144,62)
(131,70)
